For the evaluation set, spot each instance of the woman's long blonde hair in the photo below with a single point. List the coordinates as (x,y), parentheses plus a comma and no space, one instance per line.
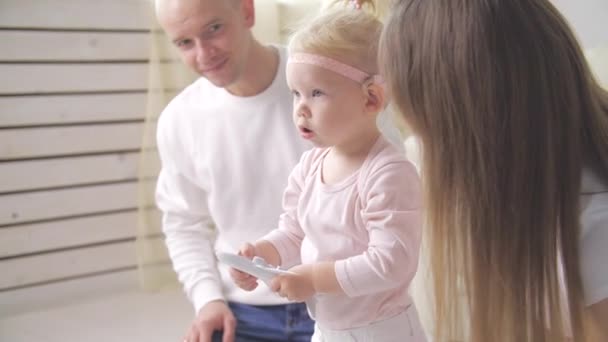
(508,113)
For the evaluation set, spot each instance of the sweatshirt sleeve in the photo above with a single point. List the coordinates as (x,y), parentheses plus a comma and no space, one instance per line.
(392,216)
(186,221)
(287,237)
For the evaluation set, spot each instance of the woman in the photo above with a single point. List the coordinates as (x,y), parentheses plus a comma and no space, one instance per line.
(514,134)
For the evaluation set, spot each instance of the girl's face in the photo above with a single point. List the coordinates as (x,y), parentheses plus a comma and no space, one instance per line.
(328,108)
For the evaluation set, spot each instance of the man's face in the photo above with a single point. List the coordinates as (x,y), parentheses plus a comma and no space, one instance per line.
(212,36)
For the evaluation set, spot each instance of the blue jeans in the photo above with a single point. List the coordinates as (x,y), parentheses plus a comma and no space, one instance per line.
(273,323)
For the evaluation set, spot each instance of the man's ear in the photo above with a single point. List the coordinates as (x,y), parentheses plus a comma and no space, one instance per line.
(375,97)
(248,10)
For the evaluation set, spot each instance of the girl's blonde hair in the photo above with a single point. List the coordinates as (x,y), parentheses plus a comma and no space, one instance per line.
(508,114)
(342,33)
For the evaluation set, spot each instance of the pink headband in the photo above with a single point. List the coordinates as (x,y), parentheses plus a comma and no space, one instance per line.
(330,64)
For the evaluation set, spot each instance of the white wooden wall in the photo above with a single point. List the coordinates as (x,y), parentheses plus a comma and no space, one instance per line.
(73,79)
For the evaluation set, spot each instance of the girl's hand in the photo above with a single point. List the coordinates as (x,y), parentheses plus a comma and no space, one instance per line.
(296,287)
(244,280)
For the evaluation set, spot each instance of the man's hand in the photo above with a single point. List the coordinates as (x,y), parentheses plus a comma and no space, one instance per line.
(213,316)
(244,280)
(297,287)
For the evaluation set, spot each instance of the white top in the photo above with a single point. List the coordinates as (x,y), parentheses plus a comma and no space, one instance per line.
(594,237)
(369,223)
(225,163)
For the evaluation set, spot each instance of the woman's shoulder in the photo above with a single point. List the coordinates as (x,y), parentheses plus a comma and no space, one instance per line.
(594,237)
(594,202)
(594,216)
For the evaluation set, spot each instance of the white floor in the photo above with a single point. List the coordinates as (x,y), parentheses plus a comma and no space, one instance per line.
(129,316)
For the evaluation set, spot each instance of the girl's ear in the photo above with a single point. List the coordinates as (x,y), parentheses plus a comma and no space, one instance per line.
(375,97)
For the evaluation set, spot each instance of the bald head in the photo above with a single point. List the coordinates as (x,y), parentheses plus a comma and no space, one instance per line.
(167,6)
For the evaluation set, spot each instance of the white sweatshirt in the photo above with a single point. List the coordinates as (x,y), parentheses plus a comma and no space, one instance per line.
(225,164)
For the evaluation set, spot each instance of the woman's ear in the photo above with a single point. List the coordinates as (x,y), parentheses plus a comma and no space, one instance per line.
(375,97)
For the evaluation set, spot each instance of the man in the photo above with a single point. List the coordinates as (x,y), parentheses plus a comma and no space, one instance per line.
(227,145)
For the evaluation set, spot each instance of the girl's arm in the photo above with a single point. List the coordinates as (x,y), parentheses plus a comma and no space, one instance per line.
(321,275)
(392,216)
(306,281)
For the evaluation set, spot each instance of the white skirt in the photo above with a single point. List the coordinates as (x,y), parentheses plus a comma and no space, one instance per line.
(405,327)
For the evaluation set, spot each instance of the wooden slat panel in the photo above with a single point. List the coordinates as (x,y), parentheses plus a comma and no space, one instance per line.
(34,238)
(61,109)
(57,141)
(28,175)
(66,292)
(73,46)
(46,267)
(62,14)
(63,78)
(32,206)
(48,78)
